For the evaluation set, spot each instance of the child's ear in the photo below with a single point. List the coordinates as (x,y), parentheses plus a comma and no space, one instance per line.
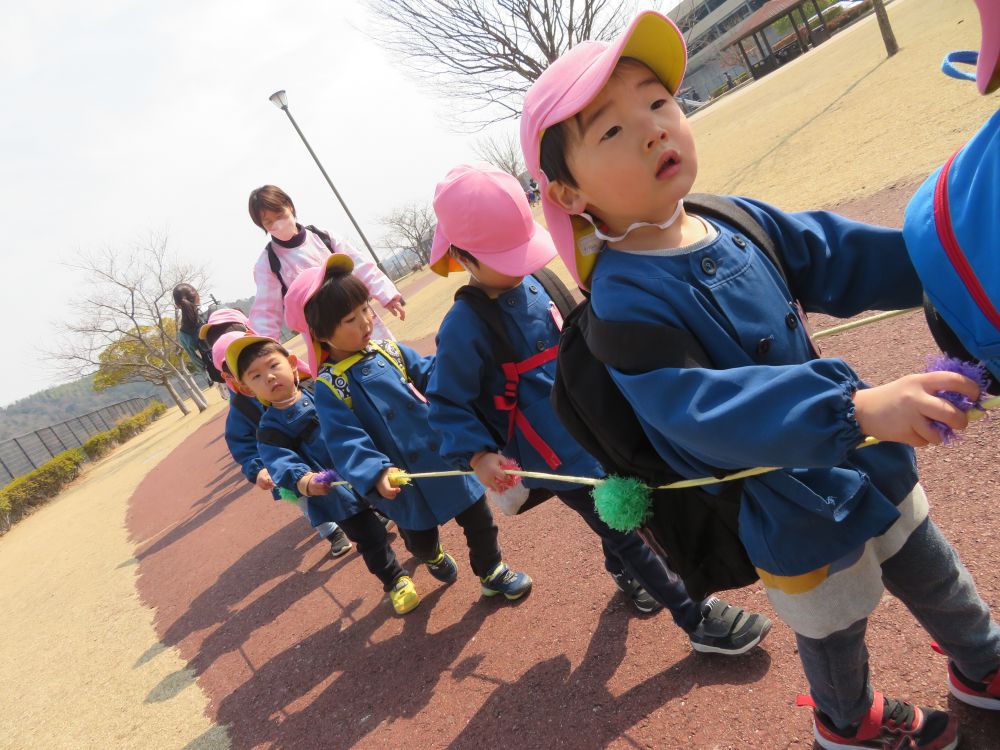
(293,360)
(567,197)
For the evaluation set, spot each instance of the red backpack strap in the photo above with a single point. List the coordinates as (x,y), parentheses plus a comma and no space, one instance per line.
(948,240)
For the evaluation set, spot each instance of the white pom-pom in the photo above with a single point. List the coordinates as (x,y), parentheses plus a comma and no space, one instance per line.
(510,501)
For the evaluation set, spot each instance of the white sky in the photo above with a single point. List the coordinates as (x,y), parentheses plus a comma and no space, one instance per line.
(119,118)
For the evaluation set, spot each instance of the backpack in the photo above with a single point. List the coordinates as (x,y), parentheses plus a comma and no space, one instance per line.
(247,406)
(695,532)
(280,438)
(504,354)
(275,262)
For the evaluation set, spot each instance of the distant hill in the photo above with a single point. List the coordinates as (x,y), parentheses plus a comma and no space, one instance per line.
(62,402)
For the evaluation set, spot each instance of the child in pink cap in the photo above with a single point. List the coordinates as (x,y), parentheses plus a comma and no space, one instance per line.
(224,326)
(485,226)
(371,407)
(615,158)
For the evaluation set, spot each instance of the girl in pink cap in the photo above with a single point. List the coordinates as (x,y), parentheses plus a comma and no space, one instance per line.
(293,248)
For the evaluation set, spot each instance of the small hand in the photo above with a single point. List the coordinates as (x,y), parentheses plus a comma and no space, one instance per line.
(396,308)
(385,489)
(308,485)
(901,411)
(264,480)
(489,471)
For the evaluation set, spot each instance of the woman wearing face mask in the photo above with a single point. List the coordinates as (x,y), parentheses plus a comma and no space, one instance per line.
(292,249)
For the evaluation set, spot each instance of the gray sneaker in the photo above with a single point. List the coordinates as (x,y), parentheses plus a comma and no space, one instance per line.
(640,598)
(728,630)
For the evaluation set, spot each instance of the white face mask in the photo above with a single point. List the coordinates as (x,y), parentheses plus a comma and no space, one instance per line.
(284,229)
(619,238)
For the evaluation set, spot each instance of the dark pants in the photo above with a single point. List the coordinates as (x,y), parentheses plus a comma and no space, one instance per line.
(368,533)
(626,552)
(480,535)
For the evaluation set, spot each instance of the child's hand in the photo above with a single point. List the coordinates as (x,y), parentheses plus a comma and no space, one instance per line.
(396,308)
(385,489)
(489,470)
(308,486)
(900,411)
(264,480)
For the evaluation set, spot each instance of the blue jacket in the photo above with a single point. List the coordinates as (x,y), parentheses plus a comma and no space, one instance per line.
(466,377)
(287,466)
(241,438)
(768,403)
(386,425)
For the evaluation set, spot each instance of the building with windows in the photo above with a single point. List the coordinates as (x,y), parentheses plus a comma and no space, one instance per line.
(706,25)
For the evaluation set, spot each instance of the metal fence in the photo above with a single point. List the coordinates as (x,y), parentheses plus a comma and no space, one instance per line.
(21,454)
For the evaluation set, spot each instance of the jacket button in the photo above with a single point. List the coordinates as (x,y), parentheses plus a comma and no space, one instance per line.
(540,346)
(511,302)
(708,266)
(533,289)
(434,447)
(390,414)
(365,370)
(381,363)
(792,321)
(739,241)
(764,345)
(412,457)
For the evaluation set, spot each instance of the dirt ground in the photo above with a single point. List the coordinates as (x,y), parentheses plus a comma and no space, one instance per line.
(164,602)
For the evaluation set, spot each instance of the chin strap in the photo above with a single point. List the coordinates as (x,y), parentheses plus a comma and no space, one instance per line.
(636,225)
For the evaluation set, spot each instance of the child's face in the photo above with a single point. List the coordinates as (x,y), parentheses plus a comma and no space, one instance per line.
(271,377)
(489,278)
(353,332)
(631,152)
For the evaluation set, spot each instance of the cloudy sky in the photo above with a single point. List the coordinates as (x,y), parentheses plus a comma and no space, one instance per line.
(121,118)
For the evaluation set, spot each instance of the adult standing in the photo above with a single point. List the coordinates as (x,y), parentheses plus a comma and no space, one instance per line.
(293,248)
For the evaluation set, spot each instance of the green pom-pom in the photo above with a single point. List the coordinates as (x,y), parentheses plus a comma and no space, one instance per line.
(292,497)
(623,503)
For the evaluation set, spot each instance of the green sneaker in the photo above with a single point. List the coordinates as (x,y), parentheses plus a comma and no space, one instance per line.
(443,566)
(503,580)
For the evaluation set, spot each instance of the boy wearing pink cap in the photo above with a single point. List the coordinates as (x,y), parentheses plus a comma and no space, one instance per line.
(485,226)
(615,158)
(243,418)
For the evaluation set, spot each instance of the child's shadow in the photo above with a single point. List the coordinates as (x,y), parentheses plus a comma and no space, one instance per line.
(553,704)
(374,681)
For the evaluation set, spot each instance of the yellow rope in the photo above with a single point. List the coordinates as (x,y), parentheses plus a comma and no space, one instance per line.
(862,322)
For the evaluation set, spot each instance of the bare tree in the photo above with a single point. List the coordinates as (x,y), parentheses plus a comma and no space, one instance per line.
(411,229)
(485,53)
(124,323)
(503,151)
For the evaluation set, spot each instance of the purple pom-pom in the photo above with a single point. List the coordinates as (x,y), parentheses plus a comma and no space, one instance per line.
(328,476)
(974,371)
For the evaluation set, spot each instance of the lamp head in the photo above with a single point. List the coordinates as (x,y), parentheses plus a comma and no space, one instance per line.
(279,99)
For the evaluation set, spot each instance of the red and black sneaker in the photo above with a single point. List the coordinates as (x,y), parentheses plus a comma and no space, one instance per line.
(985,694)
(889,725)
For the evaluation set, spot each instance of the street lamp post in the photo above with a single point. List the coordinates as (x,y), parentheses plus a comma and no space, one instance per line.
(280,100)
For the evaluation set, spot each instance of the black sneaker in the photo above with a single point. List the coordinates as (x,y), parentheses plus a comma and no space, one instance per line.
(728,630)
(339,543)
(386,521)
(889,725)
(640,598)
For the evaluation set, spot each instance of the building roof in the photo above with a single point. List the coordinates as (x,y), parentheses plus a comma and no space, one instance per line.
(761,18)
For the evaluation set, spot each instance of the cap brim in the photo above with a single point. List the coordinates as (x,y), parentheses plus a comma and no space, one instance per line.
(203,331)
(441,261)
(236,348)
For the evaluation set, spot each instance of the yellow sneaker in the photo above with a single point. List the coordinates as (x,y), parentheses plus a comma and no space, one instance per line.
(403,595)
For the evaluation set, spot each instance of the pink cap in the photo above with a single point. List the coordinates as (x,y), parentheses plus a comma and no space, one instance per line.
(219,356)
(306,284)
(484,211)
(221,316)
(988,68)
(567,86)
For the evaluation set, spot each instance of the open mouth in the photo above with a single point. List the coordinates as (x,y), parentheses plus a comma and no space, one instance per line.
(669,162)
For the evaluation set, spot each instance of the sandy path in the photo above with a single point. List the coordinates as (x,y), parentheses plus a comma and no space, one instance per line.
(80,663)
